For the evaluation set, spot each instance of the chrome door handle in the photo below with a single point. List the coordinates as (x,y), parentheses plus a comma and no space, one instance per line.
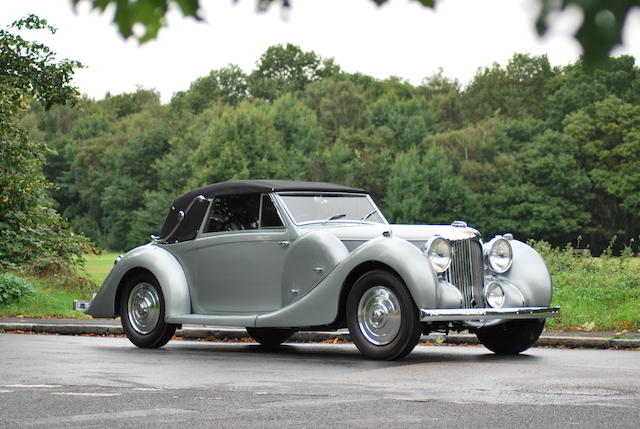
(284,243)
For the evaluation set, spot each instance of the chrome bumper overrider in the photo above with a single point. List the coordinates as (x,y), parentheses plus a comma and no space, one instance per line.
(452,314)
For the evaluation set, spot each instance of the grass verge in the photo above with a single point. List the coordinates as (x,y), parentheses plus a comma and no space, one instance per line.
(48,300)
(54,298)
(593,293)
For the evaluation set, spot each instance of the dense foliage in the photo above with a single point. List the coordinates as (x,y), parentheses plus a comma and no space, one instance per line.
(13,287)
(32,234)
(543,152)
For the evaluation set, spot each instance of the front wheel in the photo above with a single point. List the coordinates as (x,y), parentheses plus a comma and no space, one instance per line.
(270,337)
(142,311)
(512,337)
(383,319)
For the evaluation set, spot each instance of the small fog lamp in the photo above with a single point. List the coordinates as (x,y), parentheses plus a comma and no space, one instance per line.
(494,295)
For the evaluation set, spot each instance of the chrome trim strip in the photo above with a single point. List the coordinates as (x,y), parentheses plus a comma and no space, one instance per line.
(451,314)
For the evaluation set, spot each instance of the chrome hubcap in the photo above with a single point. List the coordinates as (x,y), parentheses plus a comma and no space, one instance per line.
(143,308)
(379,315)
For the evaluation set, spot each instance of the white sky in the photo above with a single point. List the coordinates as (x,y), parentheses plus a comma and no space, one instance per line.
(401,38)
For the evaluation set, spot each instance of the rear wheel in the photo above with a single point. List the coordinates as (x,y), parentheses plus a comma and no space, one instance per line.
(142,310)
(383,319)
(511,337)
(270,337)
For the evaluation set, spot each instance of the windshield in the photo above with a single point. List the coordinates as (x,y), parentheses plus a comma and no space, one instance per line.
(313,208)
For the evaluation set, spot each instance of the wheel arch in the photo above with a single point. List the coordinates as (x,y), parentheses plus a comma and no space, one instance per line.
(155,260)
(351,280)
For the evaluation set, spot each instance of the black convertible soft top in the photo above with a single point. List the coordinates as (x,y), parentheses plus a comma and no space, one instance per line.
(193,209)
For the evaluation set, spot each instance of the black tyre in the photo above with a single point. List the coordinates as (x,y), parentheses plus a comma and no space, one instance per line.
(142,312)
(270,337)
(512,337)
(382,318)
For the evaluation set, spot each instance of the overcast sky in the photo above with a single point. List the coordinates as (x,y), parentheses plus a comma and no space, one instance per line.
(401,39)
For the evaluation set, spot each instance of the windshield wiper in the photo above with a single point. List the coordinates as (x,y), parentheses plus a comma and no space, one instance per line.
(371,213)
(334,217)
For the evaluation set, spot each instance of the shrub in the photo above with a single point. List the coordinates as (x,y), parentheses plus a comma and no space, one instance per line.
(12,288)
(593,293)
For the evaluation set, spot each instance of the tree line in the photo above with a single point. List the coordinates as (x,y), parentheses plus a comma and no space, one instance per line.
(543,152)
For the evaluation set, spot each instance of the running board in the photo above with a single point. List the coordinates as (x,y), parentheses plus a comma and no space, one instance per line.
(242,320)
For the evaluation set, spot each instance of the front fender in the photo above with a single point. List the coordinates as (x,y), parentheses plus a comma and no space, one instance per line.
(320,306)
(162,264)
(530,275)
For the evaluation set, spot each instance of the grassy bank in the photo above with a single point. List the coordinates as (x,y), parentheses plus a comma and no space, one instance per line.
(54,298)
(594,293)
(47,301)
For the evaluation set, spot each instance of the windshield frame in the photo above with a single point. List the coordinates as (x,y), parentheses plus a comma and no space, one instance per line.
(291,218)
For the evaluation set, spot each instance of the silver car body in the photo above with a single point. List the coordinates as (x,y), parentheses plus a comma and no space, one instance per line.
(297,276)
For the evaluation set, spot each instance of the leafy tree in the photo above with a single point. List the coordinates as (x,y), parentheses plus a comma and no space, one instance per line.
(410,120)
(283,69)
(516,91)
(227,85)
(299,131)
(127,176)
(361,158)
(338,103)
(31,232)
(242,144)
(578,87)
(173,170)
(543,194)
(444,96)
(425,190)
(122,105)
(608,138)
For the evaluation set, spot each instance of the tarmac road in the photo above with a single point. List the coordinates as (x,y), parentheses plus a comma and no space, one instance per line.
(67,381)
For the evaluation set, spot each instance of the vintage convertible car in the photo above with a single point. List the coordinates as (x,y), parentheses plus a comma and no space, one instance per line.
(276,257)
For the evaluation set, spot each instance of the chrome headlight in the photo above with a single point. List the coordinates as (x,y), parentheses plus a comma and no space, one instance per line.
(499,254)
(494,295)
(438,251)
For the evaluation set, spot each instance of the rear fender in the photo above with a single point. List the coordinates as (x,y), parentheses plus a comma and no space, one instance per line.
(159,262)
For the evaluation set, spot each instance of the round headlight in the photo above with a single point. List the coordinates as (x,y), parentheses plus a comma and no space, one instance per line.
(499,254)
(438,252)
(494,295)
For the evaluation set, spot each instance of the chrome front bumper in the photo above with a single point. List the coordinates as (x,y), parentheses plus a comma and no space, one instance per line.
(475,314)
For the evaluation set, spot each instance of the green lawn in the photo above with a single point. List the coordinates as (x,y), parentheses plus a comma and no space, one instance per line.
(47,301)
(98,266)
(52,299)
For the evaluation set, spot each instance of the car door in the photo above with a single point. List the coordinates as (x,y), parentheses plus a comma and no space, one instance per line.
(240,258)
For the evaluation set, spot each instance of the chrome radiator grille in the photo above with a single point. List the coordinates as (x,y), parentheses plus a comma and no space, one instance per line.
(466,271)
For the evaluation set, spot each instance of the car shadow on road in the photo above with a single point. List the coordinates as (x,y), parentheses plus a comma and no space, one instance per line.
(346,353)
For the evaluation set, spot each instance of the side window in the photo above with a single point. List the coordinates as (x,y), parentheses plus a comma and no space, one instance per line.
(270,217)
(234,213)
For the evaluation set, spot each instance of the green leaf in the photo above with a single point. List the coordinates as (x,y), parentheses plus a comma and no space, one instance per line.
(601,27)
